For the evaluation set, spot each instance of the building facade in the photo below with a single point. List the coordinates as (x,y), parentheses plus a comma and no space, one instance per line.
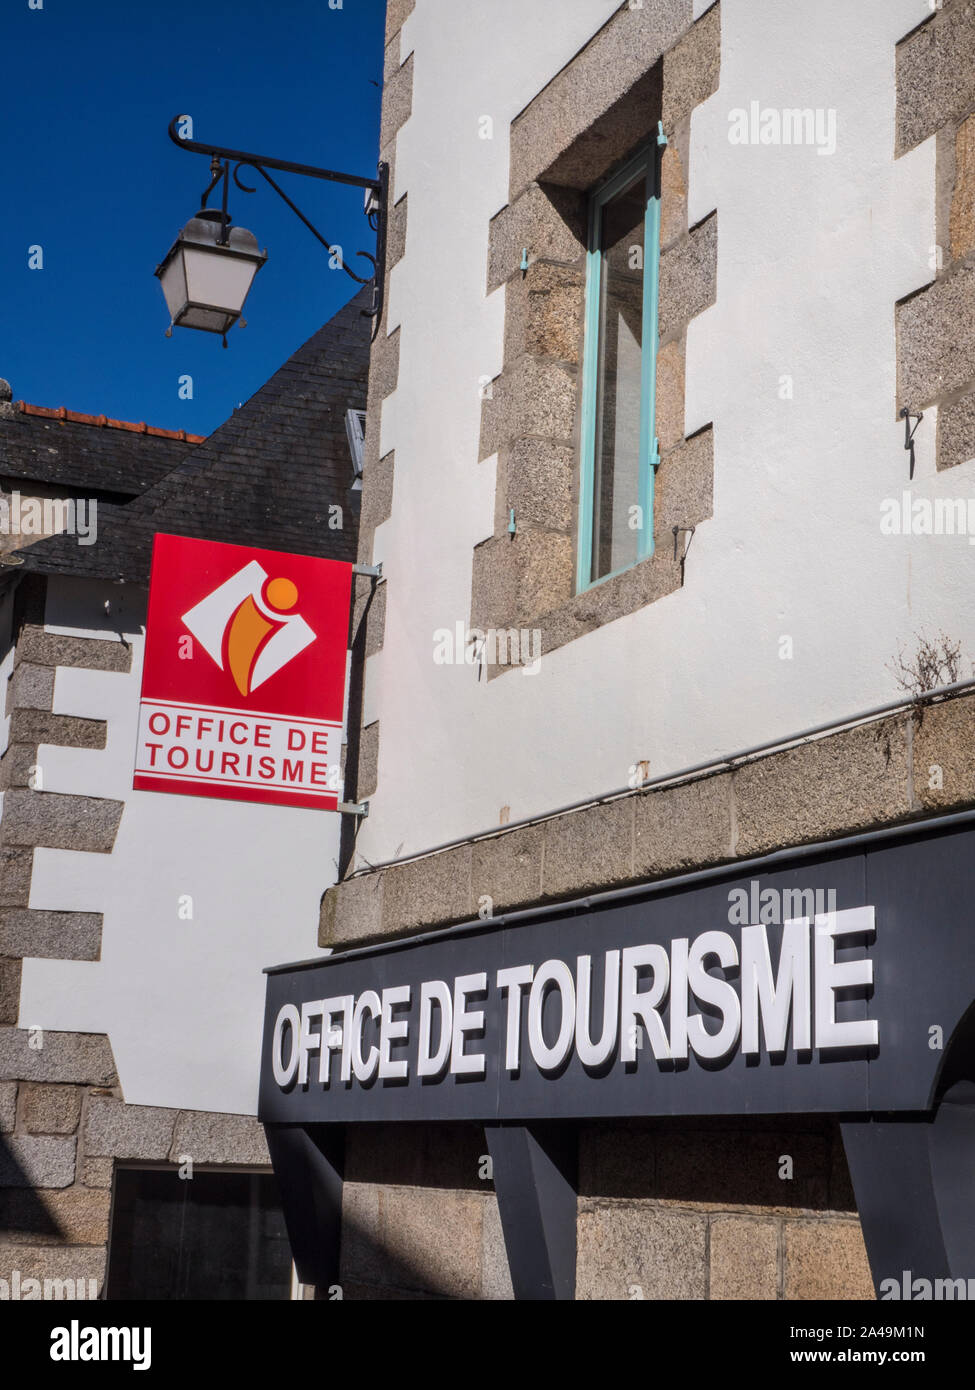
(669,285)
(134,925)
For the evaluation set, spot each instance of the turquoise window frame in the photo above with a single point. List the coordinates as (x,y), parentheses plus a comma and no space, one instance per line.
(647,159)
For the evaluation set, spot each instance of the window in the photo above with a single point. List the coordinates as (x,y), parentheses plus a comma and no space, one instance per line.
(217,1235)
(355,430)
(618,448)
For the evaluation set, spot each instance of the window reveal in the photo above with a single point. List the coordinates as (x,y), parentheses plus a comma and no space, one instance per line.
(618,448)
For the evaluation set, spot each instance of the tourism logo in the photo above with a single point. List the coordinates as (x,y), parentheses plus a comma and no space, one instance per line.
(243,681)
(248,627)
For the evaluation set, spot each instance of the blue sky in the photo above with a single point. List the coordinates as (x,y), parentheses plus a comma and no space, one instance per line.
(90,175)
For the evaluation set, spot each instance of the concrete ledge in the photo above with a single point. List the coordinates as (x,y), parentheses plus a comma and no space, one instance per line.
(518,579)
(544,220)
(507,869)
(368,762)
(114,1129)
(935,74)
(377,492)
(532,397)
(956,432)
(38,726)
(840,784)
(16,867)
(19,766)
(397,13)
(636,587)
(692,69)
(376,621)
(384,366)
(684,489)
(683,828)
(587,104)
(936,340)
(213,1138)
(688,275)
(494,584)
(57,821)
(602,143)
(670,394)
(435,891)
(535,477)
(50,935)
(588,849)
(90,653)
(543,313)
(961,213)
(31,687)
(391,57)
(944,755)
(34,1054)
(397,102)
(673,196)
(396,233)
(351,912)
(833,786)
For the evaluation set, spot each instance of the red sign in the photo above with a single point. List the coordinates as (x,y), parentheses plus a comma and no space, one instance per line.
(243,688)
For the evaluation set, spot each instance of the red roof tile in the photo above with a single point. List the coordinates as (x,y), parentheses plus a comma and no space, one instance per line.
(75,417)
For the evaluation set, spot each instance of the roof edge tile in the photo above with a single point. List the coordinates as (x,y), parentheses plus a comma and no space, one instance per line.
(76,417)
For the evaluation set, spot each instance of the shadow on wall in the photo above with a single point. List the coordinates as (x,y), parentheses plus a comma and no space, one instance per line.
(758,1162)
(412,1231)
(391,1276)
(22,1210)
(412,1212)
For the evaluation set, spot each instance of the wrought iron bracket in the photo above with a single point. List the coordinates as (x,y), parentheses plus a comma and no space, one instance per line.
(907,416)
(686,531)
(221,160)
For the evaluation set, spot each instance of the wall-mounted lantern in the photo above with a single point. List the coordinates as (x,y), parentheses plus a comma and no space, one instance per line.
(208,271)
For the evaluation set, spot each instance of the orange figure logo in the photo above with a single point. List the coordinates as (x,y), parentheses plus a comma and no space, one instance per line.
(249,630)
(248,627)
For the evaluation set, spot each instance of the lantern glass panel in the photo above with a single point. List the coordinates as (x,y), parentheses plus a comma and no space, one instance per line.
(173,280)
(218,278)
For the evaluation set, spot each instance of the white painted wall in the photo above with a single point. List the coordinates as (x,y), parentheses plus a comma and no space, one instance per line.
(813,253)
(7,655)
(182,1001)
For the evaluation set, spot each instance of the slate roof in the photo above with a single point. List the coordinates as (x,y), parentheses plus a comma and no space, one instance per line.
(68,449)
(265,477)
